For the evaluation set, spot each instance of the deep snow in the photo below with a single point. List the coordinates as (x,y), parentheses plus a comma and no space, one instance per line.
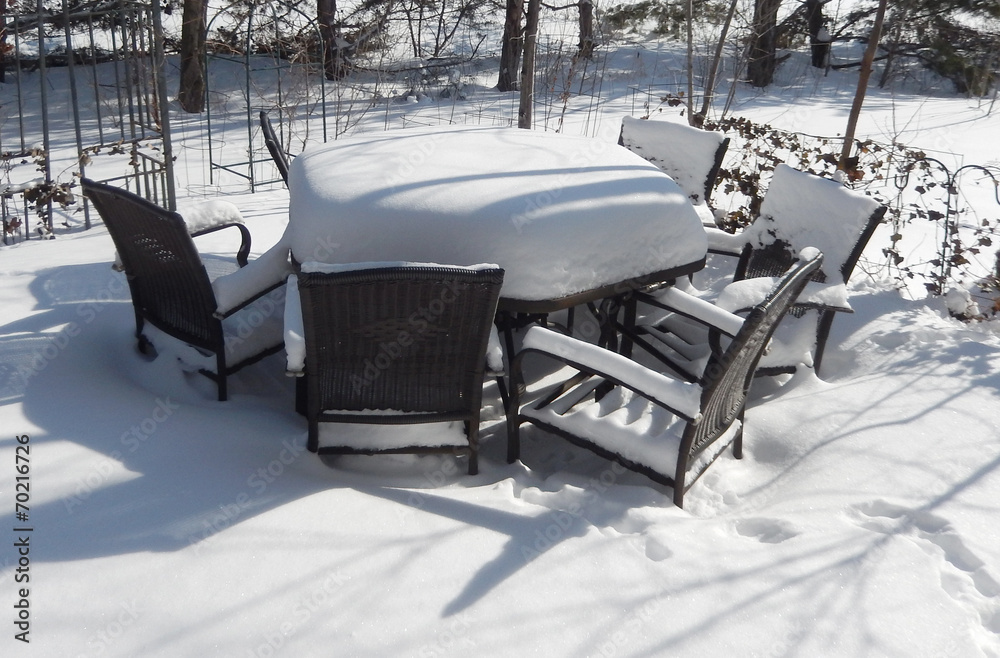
(861,522)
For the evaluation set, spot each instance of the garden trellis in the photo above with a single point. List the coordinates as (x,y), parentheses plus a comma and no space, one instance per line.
(97,70)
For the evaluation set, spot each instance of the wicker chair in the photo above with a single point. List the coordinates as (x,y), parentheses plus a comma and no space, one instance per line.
(689,155)
(171,290)
(274,146)
(666,428)
(802,210)
(395,344)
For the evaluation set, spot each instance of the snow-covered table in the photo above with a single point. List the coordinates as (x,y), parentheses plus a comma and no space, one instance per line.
(570,219)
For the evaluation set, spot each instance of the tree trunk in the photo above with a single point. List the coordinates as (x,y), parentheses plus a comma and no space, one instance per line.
(689,12)
(528,70)
(859,96)
(3,41)
(819,38)
(586,47)
(713,71)
(511,46)
(334,65)
(191,94)
(762,60)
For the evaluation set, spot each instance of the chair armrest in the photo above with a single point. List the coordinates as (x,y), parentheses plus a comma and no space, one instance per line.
(745,294)
(242,255)
(700,310)
(214,215)
(726,244)
(683,398)
(295,340)
(494,354)
(237,289)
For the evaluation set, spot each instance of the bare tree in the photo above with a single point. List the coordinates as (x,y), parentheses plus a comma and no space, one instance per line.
(586,47)
(763,43)
(334,63)
(511,46)
(713,70)
(819,38)
(191,94)
(859,96)
(528,69)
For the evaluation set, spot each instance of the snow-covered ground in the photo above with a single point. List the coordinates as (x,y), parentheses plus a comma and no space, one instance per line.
(861,522)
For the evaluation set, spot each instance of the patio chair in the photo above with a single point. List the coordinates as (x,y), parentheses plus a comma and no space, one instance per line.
(392,344)
(666,428)
(274,146)
(689,155)
(800,210)
(172,294)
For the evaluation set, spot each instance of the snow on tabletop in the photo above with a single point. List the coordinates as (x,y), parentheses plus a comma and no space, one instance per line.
(560,214)
(860,522)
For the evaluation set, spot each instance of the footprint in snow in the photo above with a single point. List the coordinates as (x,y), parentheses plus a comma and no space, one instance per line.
(766,531)
(964,576)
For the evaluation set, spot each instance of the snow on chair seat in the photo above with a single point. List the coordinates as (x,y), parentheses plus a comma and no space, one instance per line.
(668,429)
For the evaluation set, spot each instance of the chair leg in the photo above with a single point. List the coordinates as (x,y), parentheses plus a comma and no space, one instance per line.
(301,395)
(679,490)
(312,443)
(513,425)
(472,431)
(738,441)
(220,369)
(824,323)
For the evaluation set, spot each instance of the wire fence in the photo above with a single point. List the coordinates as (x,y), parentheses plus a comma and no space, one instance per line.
(90,77)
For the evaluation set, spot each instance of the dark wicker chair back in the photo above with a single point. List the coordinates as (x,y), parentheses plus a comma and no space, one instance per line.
(854,215)
(274,146)
(169,284)
(406,339)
